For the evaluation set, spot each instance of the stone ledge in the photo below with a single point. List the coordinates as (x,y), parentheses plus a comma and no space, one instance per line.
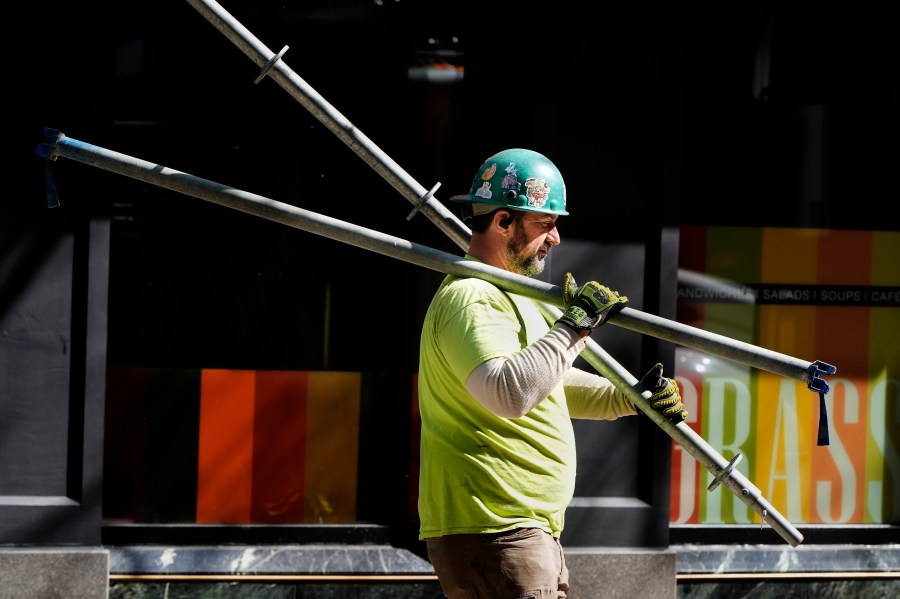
(614,572)
(720,559)
(54,573)
(271,559)
(598,572)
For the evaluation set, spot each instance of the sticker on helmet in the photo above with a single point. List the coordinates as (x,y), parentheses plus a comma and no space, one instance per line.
(484,191)
(537,191)
(488,173)
(511,178)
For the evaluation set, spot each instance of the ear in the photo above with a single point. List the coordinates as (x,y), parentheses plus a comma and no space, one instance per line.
(503,218)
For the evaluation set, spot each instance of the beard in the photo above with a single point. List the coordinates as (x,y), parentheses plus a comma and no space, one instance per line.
(519,260)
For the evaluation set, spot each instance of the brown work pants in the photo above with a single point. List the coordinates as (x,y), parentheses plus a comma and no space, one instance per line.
(526,563)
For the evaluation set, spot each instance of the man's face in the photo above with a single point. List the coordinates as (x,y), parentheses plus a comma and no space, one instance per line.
(532,236)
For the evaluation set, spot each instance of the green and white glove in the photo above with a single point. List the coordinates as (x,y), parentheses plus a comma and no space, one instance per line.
(590,305)
(665,397)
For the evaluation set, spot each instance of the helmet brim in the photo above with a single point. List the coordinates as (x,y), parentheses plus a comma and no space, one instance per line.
(523,201)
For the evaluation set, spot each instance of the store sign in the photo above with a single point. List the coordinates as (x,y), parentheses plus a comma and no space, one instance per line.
(814,295)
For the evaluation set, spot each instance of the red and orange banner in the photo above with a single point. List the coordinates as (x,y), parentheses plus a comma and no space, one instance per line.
(232,446)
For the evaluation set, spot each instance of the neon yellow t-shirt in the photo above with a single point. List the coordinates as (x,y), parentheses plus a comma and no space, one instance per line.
(480,472)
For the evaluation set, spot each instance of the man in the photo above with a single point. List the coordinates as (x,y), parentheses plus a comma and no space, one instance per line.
(497,392)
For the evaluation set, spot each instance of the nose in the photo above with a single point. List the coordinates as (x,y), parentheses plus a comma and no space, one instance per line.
(553,237)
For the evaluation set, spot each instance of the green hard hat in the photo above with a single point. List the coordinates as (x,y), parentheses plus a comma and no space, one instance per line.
(519,179)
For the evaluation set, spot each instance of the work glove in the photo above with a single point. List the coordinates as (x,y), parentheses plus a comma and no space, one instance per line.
(590,305)
(665,397)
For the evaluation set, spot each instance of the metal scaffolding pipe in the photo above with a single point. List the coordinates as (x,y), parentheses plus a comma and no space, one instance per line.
(273,65)
(548,296)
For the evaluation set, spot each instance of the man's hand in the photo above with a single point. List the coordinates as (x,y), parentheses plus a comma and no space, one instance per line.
(666,398)
(590,305)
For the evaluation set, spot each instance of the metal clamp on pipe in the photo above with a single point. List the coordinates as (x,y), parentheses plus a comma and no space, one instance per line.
(269,65)
(812,375)
(423,200)
(725,472)
(821,387)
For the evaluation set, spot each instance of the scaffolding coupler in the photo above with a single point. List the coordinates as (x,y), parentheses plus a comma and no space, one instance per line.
(821,387)
(816,369)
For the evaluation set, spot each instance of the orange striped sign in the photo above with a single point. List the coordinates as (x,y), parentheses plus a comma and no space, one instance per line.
(270,447)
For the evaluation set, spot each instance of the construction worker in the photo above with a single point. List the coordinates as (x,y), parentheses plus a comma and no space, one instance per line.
(497,392)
